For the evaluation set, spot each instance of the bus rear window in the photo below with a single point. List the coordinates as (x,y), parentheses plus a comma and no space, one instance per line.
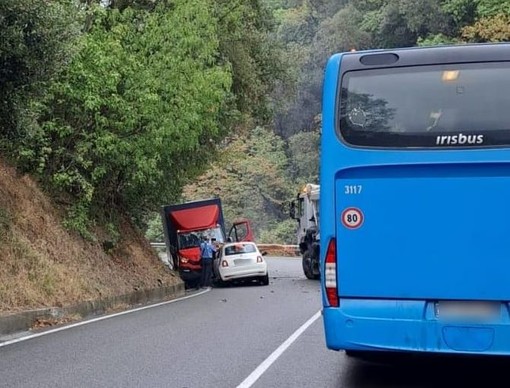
(463,105)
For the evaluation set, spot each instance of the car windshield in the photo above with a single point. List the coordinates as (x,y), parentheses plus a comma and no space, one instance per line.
(239,248)
(193,239)
(188,240)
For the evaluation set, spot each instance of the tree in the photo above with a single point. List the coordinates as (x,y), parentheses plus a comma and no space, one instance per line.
(137,112)
(304,157)
(35,44)
(488,29)
(250,178)
(247,44)
(340,33)
(492,23)
(475,21)
(401,23)
(297,26)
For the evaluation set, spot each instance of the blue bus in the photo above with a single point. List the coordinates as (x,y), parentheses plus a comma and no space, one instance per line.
(415,200)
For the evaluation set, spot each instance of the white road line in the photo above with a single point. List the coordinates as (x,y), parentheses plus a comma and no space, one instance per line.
(82,323)
(255,375)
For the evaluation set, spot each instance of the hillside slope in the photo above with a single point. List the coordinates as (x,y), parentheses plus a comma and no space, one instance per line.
(43,265)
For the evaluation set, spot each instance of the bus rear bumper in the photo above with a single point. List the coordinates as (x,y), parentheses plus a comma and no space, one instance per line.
(412,326)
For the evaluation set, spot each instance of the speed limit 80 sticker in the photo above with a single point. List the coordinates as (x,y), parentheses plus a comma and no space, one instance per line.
(352,218)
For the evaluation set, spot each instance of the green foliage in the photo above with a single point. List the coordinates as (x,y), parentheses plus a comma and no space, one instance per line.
(249,47)
(490,8)
(137,110)
(333,32)
(462,11)
(283,232)
(438,39)
(78,219)
(35,38)
(313,30)
(387,26)
(117,105)
(250,178)
(311,36)
(123,4)
(297,26)
(154,230)
(304,157)
(488,29)
(340,33)
(401,23)
(426,17)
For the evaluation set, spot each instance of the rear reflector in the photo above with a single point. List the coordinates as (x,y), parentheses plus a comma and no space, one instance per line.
(332,297)
(330,274)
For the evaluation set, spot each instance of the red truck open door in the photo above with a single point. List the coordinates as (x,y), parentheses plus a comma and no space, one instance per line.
(241,231)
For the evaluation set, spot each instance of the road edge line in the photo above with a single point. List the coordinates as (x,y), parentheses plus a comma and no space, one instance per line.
(101,318)
(259,371)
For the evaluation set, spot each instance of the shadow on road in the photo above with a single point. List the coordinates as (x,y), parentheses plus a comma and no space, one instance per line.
(419,372)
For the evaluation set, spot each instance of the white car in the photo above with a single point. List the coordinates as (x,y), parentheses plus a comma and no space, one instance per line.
(240,261)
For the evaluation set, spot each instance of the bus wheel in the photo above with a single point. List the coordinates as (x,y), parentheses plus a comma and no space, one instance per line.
(358,355)
(307,266)
(384,358)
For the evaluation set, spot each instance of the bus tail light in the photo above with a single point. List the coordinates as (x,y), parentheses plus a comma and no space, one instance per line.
(330,274)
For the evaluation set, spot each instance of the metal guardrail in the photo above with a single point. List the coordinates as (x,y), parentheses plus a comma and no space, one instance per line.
(261,246)
(158,244)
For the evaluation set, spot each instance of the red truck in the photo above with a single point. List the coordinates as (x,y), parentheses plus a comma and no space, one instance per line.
(184,224)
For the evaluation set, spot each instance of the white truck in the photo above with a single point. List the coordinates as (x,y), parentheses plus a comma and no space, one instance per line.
(305,209)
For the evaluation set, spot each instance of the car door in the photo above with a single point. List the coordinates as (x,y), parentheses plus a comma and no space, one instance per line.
(241,231)
(216,262)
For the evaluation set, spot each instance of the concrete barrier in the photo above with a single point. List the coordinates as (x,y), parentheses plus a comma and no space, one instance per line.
(28,320)
(279,250)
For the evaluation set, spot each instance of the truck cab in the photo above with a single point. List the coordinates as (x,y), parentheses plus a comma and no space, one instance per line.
(305,209)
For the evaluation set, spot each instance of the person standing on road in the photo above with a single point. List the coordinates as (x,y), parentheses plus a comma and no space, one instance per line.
(207,251)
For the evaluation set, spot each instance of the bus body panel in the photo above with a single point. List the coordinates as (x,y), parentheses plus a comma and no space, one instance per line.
(429,231)
(410,325)
(434,229)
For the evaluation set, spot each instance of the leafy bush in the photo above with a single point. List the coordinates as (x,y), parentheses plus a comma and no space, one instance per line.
(155,229)
(35,44)
(136,112)
(283,232)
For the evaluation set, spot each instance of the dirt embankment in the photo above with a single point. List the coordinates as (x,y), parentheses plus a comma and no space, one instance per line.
(44,265)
